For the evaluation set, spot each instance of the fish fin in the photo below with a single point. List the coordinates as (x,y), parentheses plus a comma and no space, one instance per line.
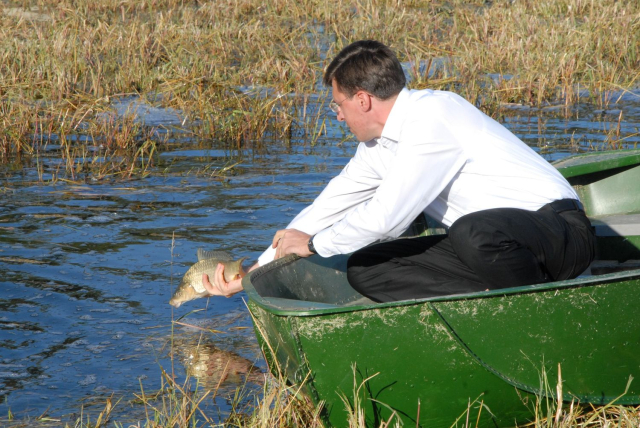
(241,272)
(216,254)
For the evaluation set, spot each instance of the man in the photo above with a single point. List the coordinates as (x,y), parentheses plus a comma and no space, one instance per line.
(513,219)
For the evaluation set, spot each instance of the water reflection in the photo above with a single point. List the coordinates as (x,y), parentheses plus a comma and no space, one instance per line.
(217,369)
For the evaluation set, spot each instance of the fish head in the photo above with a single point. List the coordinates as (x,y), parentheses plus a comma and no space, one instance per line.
(184,293)
(175,302)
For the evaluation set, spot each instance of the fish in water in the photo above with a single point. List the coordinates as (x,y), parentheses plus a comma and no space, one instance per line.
(191,285)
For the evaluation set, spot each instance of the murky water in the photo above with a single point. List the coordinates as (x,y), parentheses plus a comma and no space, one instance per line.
(87,270)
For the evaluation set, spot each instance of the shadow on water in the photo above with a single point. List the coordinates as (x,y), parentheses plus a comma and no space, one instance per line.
(88,269)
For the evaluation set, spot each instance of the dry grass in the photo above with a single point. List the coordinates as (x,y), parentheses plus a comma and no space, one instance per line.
(282,406)
(243,74)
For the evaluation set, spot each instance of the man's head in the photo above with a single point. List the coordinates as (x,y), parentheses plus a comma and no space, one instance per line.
(365,79)
(369,66)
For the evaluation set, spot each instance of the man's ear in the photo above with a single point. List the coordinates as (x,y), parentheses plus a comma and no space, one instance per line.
(364,100)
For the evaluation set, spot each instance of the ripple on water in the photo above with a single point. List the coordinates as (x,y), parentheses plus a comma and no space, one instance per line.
(88,380)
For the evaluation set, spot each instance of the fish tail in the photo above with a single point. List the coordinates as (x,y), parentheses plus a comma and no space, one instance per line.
(240,269)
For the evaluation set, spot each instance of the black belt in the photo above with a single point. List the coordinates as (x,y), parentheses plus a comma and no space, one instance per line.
(562,205)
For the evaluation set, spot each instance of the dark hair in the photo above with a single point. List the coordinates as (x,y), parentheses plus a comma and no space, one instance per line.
(366,65)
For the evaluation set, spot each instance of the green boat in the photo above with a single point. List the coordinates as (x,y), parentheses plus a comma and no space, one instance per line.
(486,359)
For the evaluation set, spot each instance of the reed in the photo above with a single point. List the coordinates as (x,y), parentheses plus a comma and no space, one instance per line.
(278,405)
(242,72)
(356,417)
(551,411)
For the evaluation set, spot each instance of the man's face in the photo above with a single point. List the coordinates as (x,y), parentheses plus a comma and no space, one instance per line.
(351,112)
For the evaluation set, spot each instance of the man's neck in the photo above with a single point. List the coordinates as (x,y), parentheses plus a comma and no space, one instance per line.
(381,113)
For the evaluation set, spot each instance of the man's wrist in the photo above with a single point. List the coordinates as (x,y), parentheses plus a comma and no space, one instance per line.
(312,248)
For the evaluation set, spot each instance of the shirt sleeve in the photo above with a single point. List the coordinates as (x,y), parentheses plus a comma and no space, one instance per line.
(427,159)
(355,184)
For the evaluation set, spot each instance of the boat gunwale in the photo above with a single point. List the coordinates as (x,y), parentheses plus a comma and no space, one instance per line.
(577,165)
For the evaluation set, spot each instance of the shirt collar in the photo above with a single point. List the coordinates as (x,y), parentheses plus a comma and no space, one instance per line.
(393,126)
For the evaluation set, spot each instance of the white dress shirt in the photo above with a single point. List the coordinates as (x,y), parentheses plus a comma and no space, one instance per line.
(438,154)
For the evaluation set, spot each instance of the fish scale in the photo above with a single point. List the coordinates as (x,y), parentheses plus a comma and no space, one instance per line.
(194,274)
(191,287)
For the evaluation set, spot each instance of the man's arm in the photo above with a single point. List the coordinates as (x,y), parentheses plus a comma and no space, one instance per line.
(355,184)
(426,161)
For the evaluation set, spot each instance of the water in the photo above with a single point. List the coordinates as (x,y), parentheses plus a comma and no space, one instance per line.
(88,269)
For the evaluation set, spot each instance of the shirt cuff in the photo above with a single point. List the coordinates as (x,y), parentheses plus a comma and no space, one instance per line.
(268,256)
(323,243)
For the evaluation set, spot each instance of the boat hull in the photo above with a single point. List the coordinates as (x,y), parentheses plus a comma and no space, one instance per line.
(489,356)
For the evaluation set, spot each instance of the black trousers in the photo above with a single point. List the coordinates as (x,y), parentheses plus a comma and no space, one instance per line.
(497,248)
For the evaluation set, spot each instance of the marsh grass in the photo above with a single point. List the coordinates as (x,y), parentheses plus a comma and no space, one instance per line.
(242,72)
(182,405)
(551,411)
(354,404)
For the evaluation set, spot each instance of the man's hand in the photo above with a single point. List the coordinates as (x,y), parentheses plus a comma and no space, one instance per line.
(220,287)
(291,241)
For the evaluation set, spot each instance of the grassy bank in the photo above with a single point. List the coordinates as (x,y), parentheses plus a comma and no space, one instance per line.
(244,74)
(178,405)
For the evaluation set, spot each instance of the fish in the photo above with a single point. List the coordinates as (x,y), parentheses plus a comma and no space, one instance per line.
(191,287)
